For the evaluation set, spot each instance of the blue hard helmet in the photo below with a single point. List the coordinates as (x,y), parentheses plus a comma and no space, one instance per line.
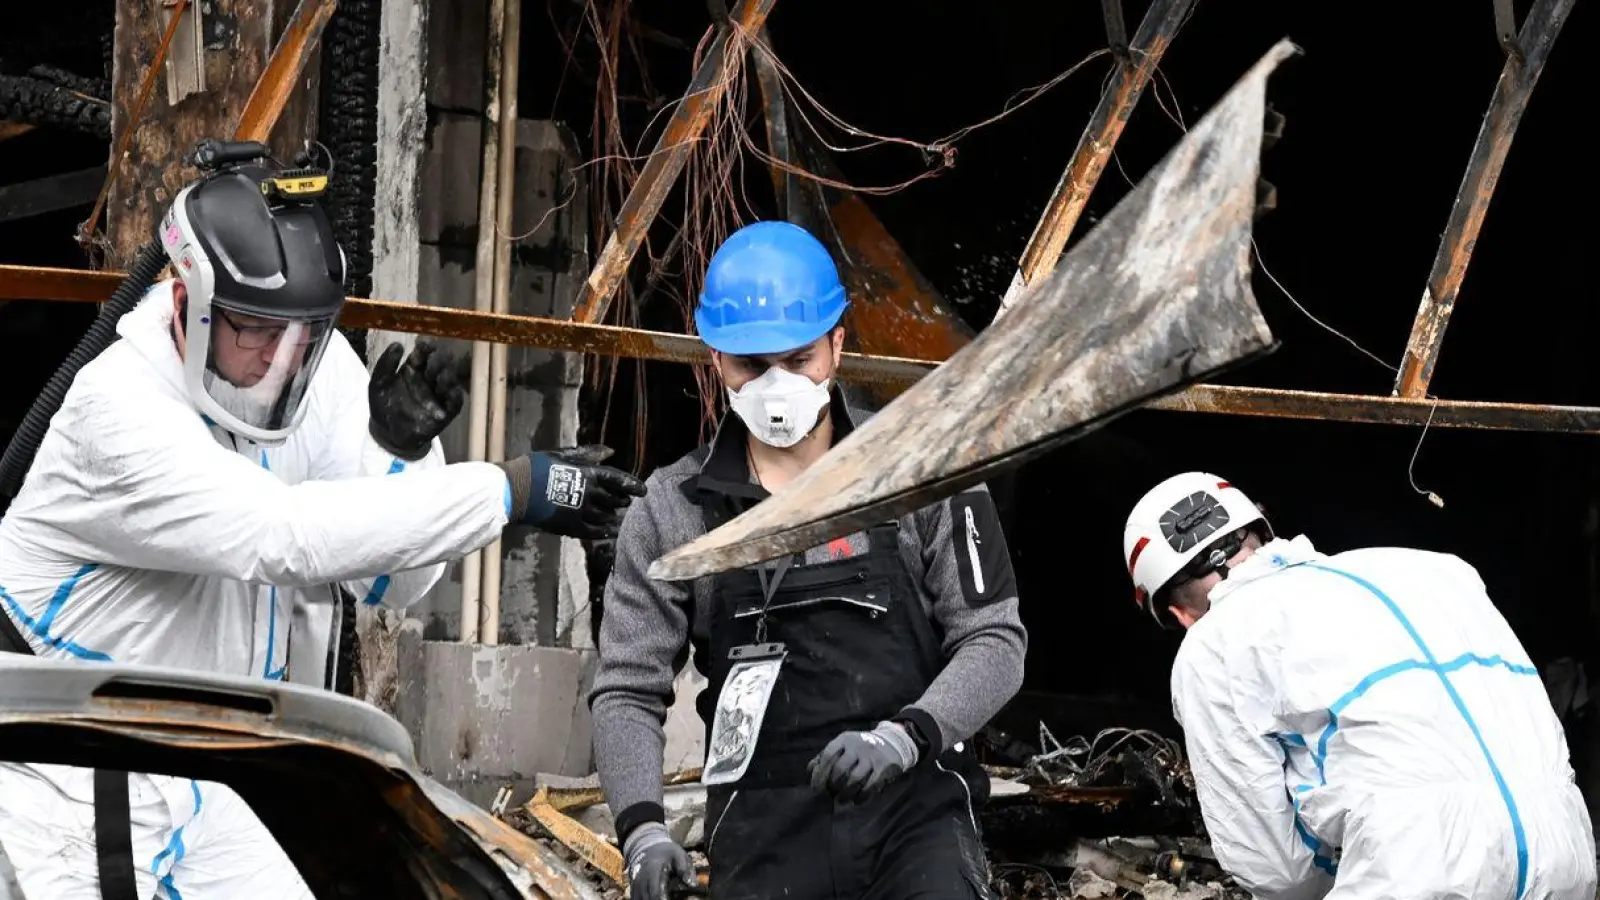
(770,287)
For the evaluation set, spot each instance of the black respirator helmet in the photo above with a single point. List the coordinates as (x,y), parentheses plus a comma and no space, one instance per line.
(264,277)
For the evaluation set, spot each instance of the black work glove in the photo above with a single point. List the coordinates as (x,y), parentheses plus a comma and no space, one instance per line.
(655,863)
(856,765)
(411,403)
(568,492)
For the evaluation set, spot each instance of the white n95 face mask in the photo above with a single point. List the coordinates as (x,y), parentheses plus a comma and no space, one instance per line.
(780,407)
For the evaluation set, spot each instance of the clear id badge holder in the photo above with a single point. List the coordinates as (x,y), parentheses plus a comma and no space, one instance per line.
(742,702)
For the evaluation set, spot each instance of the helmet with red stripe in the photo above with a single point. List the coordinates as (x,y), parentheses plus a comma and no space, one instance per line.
(1190,524)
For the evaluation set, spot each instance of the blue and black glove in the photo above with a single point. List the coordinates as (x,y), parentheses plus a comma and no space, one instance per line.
(568,492)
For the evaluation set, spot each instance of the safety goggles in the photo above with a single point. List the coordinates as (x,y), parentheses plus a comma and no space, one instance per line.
(256,333)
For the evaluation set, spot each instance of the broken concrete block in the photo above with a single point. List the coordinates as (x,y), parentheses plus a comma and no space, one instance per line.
(1085,884)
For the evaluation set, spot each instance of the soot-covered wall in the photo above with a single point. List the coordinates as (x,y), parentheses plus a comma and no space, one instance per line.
(1381,115)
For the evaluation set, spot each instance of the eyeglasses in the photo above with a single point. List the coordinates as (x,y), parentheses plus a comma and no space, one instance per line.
(256,337)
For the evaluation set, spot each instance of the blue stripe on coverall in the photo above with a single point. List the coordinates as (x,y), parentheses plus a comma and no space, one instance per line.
(1442,671)
(1319,859)
(41,628)
(267,671)
(176,850)
(381,585)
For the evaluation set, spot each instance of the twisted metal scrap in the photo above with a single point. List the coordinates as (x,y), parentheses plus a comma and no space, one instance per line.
(1156,297)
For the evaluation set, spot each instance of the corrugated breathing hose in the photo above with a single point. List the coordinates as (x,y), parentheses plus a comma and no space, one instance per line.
(102,332)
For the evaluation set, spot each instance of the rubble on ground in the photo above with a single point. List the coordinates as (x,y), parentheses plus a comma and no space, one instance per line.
(1051,825)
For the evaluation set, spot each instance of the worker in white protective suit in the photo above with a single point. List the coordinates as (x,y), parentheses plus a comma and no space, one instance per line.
(229,458)
(1360,725)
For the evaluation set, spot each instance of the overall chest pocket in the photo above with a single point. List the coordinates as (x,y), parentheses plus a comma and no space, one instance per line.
(857,594)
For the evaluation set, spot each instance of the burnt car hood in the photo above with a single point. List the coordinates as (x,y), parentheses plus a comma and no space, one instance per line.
(335,780)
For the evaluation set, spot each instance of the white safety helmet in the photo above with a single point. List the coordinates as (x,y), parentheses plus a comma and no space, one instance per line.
(1174,524)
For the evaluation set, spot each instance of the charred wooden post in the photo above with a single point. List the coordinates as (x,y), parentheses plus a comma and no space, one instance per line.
(668,158)
(1157,296)
(239,38)
(1510,101)
(27,102)
(1134,68)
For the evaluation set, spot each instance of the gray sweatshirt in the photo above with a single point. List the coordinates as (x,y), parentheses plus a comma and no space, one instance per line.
(953,549)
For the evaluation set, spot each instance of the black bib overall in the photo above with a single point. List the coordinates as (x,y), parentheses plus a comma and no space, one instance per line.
(860,649)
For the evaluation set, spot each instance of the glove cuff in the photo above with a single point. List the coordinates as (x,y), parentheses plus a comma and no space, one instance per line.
(643,838)
(899,740)
(409,454)
(519,473)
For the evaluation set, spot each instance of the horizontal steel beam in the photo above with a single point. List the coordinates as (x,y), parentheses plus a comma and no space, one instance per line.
(1380,410)
(38,283)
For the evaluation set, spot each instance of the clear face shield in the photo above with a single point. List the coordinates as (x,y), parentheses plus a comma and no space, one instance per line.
(251,373)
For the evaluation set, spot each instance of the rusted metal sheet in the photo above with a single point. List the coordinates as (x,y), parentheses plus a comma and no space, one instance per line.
(1510,101)
(278,81)
(894,374)
(894,311)
(1379,410)
(1094,148)
(1155,297)
(667,160)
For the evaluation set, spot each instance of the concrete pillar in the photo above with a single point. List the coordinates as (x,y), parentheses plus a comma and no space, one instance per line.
(396,263)
(544,583)
(482,716)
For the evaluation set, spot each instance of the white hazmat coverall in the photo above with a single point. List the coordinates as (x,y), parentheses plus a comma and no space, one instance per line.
(145,535)
(1366,725)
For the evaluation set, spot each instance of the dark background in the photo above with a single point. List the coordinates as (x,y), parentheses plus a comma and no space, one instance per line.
(1381,114)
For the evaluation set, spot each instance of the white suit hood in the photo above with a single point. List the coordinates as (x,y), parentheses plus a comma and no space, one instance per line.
(148,329)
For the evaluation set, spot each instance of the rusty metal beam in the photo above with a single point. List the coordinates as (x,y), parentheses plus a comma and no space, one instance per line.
(1095,146)
(1510,101)
(9,130)
(79,285)
(1380,410)
(591,847)
(667,160)
(283,71)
